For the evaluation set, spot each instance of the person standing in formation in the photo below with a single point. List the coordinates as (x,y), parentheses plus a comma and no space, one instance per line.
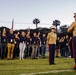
(34,45)
(10,45)
(73,27)
(22,45)
(51,41)
(43,45)
(4,43)
(27,52)
(0,44)
(57,47)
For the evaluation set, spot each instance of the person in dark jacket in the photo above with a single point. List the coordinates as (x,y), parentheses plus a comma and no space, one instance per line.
(39,45)
(10,45)
(62,46)
(43,45)
(34,45)
(71,49)
(0,44)
(67,52)
(27,51)
(22,45)
(4,44)
(17,41)
(57,46)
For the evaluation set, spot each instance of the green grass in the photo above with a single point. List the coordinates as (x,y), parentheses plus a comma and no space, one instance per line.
(17,67)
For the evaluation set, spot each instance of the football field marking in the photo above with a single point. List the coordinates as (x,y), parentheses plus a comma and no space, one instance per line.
(55,71)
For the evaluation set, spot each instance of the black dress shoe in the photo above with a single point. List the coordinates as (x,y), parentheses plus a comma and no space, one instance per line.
(52,64)
(74,68)
(57,56)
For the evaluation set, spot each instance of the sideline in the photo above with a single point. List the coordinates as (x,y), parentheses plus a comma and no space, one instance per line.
(55,71)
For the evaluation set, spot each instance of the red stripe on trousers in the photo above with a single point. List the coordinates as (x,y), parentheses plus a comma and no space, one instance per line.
(49,54)
(73,49)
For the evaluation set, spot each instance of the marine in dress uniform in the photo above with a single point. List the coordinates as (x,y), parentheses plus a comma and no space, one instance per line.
(51,41)
(73,27)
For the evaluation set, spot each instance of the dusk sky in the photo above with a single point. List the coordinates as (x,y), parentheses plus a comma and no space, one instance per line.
(25,11)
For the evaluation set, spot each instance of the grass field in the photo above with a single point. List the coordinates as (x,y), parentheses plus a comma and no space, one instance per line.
(60,73)
(18,67)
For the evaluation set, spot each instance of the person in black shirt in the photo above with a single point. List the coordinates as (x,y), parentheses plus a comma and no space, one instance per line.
(27,51)
(0,44)
(57,47)
(62,46)
(34,45)
(43,45)
(71,49)
(30,46)
(16,49)
(4,43)
(22,45)
(11,41)
(67,46)
(39,45)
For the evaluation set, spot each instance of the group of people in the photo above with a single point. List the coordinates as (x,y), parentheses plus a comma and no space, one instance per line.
(23,45)
(64,46)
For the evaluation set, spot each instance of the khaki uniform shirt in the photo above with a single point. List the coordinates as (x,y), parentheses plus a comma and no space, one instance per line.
(73,27)
(51,38)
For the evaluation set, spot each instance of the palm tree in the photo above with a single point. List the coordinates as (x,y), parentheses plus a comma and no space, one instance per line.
(36,21)
(56,23)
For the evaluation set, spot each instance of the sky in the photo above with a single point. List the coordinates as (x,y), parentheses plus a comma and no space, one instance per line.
(24,11)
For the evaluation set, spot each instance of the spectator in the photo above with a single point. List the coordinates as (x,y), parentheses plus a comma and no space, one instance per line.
(34,45)
(70,45)
(27,51)
(0,44)
(57,47)
(39,45)
(17,41)
(4,44)
(22,45)
(10,45)
(43,45)
(67,52)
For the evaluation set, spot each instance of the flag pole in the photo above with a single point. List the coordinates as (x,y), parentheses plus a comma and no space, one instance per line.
(12,23)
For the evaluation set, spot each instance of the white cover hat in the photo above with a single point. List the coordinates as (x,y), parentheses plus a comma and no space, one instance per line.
(74,14)
(53,27)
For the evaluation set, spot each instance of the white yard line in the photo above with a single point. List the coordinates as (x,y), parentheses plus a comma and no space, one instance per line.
(55,71)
